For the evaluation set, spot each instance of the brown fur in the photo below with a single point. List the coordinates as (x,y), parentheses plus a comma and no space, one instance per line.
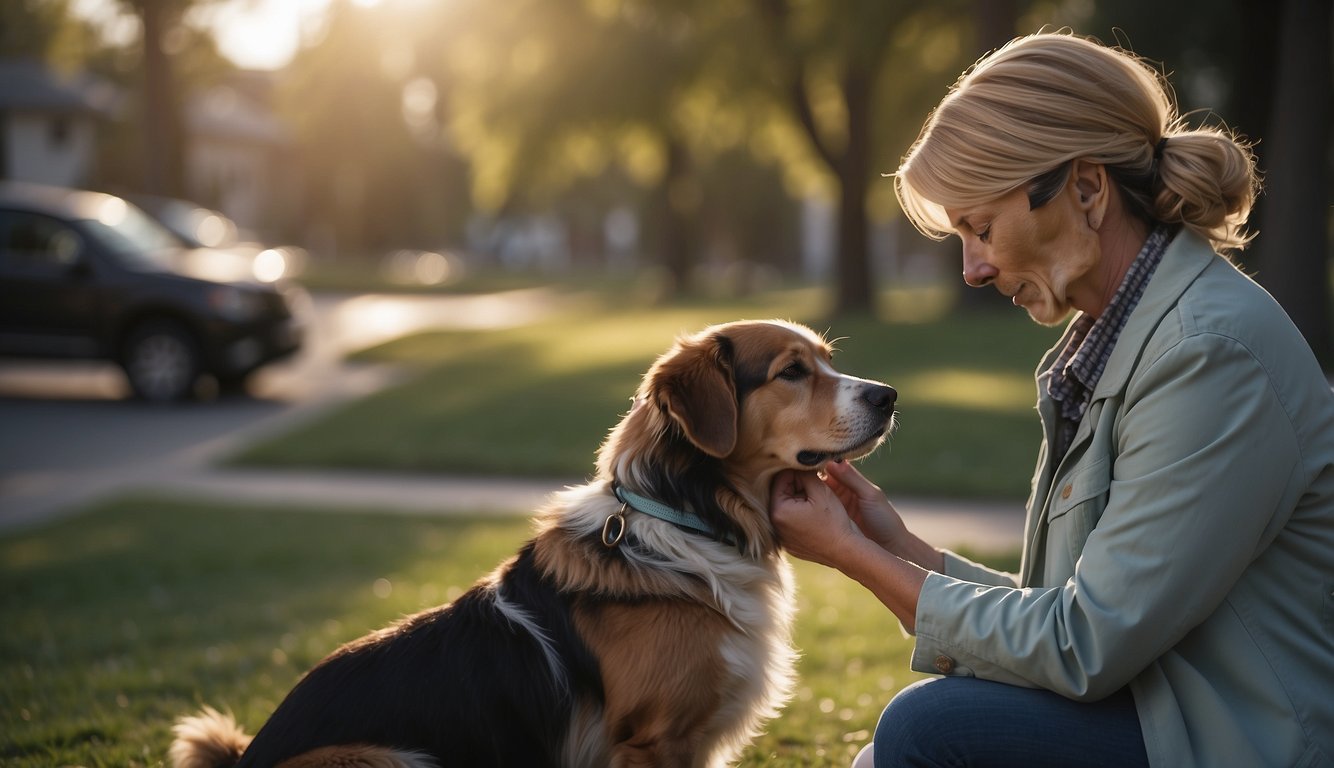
(660,697)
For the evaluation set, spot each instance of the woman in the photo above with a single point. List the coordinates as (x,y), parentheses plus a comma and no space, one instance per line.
(1175,605)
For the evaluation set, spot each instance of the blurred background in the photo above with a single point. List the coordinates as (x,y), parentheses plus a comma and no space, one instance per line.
(716,146)
(480,221)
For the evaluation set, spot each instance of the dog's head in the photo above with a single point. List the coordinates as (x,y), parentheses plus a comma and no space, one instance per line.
(726,409)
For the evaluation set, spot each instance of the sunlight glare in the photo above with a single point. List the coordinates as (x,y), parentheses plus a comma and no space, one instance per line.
(261,35)
(112,211)
(270,266)
(211,230)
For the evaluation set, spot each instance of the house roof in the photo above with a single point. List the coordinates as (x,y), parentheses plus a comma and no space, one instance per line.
(30,85)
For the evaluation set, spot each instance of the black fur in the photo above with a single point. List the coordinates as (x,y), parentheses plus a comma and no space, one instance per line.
(459,683)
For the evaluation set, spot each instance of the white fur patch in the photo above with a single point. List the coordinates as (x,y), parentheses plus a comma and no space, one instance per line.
(756,596)
(586,738)
(521,618)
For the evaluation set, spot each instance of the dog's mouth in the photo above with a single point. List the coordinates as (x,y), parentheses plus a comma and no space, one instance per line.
(809,458)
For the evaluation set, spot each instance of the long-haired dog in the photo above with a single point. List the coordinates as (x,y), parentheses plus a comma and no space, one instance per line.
(646,623)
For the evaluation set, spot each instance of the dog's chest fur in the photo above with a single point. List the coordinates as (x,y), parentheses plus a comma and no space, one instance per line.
(692,636)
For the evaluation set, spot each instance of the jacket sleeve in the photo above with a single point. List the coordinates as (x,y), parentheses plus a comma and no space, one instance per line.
(962,568)
(1204,460)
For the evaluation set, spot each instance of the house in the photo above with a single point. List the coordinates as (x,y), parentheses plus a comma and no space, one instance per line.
(48,123)
(239,153)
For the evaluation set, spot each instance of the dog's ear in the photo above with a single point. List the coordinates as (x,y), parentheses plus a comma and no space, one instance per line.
(693,384)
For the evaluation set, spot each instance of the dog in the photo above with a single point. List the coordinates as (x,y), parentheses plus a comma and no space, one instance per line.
(646,623)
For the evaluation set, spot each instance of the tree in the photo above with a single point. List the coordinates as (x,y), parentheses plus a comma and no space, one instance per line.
(363,113)
(548,92)
(29,28)
(1295,223)
(859,77)
(995,22)
(850,45)
(1264,72)
(161,123)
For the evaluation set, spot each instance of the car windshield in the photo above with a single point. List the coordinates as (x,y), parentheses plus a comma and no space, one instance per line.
(132,235)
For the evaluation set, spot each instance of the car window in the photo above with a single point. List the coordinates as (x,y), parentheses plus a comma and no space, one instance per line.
(33,245)
(136,240)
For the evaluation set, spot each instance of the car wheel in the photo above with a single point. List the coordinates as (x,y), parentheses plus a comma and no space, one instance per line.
(161,360)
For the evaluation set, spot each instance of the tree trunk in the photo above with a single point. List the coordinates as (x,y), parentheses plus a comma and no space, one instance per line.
(159,126)
(855,291)
(677,201)
(1294,230)
(994,23)
(1251,107)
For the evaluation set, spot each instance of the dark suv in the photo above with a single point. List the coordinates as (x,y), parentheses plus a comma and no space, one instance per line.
(87,275)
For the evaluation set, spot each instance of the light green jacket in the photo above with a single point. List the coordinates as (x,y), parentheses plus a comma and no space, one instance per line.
(1184,546)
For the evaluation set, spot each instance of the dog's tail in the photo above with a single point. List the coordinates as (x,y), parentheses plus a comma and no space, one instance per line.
(209,739)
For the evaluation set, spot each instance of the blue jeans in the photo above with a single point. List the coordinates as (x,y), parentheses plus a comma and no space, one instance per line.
(964,721)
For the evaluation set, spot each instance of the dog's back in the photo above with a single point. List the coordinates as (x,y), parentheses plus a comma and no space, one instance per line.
(437,681)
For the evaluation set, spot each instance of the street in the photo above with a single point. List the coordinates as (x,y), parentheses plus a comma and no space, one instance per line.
(71,433)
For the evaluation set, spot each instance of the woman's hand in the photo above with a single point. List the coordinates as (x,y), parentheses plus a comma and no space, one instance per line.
(814,524)
(811,520)
(866,505)
(819,519)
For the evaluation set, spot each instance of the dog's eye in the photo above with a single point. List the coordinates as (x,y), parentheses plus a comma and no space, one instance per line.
(792,372)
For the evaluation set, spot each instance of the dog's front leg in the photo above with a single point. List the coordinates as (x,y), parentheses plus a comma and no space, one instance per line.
(662,675)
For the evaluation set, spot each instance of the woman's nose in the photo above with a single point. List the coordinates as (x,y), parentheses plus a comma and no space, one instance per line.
(977,272)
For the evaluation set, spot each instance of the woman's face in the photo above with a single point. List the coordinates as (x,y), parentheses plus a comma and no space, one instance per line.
(1044,259)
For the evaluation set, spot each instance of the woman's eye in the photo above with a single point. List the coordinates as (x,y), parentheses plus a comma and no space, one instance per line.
(985,235)
(792,372)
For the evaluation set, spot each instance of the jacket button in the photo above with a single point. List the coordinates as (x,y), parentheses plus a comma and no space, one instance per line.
(944,664)
(1066,491)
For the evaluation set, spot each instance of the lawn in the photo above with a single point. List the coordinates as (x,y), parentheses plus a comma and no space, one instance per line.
(120,620)
(538,400)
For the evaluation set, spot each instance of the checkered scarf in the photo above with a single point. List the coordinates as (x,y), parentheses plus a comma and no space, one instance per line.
(1081,362)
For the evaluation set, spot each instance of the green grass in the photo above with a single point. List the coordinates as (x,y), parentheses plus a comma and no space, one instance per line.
(118,621)
(538,400)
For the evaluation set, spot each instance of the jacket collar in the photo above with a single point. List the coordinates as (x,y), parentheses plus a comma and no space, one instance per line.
(1185,258)
(1183,261)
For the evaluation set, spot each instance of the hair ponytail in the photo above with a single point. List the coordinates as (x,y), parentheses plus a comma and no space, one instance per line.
(1207,181)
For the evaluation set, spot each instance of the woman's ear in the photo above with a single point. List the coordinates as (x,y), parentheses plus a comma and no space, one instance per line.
(1094,192)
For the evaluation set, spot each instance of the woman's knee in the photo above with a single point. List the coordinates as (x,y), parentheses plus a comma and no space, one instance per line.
(911,723)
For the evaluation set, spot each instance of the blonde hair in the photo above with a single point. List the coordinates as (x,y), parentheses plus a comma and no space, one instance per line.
(1044,100)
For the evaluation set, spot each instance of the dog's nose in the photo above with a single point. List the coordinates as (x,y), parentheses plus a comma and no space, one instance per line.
(880,397)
